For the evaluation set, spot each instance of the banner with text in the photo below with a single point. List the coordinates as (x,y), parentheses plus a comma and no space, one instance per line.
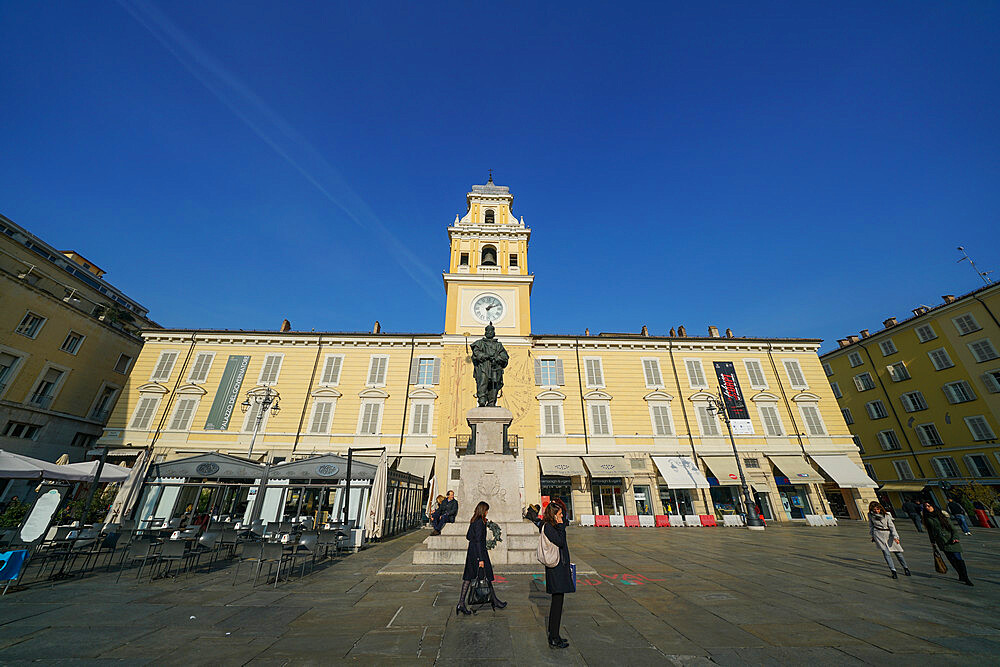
(229,391)
(732,395)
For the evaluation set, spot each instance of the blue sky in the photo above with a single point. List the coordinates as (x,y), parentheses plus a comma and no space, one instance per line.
(783,169)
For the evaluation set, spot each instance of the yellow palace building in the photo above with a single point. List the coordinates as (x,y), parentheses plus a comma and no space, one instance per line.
(616,424)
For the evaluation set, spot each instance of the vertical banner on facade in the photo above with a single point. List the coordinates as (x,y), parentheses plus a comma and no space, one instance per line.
(229,391)
(732,396)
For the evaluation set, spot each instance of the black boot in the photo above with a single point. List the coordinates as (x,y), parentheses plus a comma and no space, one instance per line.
(894,575)
(906,571)
(557,642)
(495,601)
(963,573)
(460,608)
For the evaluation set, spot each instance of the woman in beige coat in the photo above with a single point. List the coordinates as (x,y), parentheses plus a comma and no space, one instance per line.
(885,537)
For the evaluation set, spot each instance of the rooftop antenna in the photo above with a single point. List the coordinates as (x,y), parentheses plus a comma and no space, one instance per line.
(985,275)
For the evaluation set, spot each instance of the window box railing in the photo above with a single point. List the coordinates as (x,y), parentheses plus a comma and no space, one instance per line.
(41,401)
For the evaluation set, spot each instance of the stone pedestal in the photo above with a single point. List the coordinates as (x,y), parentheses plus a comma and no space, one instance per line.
(487,475)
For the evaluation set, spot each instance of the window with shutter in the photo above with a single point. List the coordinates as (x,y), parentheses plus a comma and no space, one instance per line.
(72,342)
(321,417)
(836,390)
(696,374)
(795,376)
(945,466)
(594,372)
(887,347)
(864,382)
(903,469)
(979,428)
(600,423)
(983,350)
(928,435)
(46,389)
(965,324)
(876,409)
(30,325)
(940,359)
(552,417)
(888,440)
(828,369)
(660,413)
(269,371)
(331,369)
(549,372)
(164,366)
(814,423)
(870,469)
(756,373)
(959,392)
(913,401)
(7,364)
(925,333)
(124,361)
(848,417)
(978,465)
(376,370)
(183,414)
(707,421)
(857,442)
(144,413)
(855,359)
(420,421)
(199,369)
(370,413)
(898,372)
(990,378)
(425,371)
(651,371)
(771,420)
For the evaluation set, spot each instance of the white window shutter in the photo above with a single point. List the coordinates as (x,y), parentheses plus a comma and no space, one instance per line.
(331,374)
(538,372)
(560,377)
(414,367)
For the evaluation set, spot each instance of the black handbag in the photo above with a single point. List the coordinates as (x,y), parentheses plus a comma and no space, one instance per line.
(480,593)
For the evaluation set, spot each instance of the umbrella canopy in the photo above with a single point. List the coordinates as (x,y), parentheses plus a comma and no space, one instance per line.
(13,466)
(123,500)
(432,496)
(110,472)
(62,460)
(376,500)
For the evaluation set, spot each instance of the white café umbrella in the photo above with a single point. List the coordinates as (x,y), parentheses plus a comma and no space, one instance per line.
(13,466)
(376,499)
(124,498)
(88,470)
(432,498)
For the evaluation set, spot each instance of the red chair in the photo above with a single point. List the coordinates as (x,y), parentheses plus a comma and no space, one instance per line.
(602,520)
(708,520)
(662,521)
(631,520)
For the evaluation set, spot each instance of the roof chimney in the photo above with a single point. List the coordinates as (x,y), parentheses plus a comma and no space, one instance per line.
(713,332)
(377,328)
(948,298)
(920,310)
(682,332)
(673,332)
(891,322)
(843,342)
(645,330)
(285,326)
(853,339)
(864,333)
(729,333)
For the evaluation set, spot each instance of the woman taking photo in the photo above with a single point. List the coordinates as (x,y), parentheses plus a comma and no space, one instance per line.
(885,537)
(558,579)
(944,538)
(477,559)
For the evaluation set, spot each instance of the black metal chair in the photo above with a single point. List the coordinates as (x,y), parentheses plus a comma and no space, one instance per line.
(141,550)
(208,543)
(172,551)
(306,549)
(251,552)
(270,552)
(228,539)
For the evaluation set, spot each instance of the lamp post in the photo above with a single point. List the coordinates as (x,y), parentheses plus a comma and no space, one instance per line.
(717,406)
(265,399)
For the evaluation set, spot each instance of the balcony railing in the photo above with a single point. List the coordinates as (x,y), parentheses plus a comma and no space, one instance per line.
(40,401)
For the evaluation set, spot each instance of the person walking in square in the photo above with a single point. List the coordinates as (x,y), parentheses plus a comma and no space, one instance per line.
(945,539)
(885,537)
(957,511)
(558,579)
(912,510)
(477,559)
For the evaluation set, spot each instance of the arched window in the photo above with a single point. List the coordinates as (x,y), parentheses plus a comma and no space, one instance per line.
(489,257)
(489,217)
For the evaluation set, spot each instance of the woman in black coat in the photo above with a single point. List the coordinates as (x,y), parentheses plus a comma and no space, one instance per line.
(558,579)
(477,559)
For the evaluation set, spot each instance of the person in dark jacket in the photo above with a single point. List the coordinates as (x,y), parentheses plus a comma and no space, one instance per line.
(943,536)
(558,579)
(957,511)
(446,513)
(912,510)
(477,559)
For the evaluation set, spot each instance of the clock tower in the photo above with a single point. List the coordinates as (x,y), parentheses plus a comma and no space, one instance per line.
(487,279)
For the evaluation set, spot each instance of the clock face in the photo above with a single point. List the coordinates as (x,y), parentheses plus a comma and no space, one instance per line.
(488,308)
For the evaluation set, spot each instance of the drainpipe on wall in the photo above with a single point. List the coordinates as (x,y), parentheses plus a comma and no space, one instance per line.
(406,394)
(583,406)
(687,424)
(305,403)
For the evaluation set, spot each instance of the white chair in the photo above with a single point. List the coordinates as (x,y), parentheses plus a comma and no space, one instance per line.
(646,521)
(586,519)
(617,521)
(692,521)
(676,520)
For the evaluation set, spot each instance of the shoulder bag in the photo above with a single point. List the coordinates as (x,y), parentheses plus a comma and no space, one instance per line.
(939,565)
(479,592)
(548,553)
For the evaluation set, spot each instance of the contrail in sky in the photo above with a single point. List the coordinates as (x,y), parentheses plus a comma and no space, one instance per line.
(278,134)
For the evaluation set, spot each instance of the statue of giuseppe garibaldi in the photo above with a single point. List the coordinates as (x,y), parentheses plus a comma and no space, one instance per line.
(489,358)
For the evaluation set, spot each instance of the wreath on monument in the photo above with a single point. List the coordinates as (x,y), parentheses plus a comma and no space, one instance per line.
(496,531)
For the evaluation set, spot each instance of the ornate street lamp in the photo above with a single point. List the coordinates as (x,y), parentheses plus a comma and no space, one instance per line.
(266,399)
(717,406)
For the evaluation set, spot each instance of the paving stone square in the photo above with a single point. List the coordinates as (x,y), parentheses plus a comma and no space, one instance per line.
(683,596)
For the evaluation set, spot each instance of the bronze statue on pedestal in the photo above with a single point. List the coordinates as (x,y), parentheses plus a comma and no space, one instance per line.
(489,358)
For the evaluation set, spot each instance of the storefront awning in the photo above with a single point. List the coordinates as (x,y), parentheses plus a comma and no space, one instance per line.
(797,470)
(608,466)
(907,485)
(724,468)
(567,466)
(680,472)
(845,472)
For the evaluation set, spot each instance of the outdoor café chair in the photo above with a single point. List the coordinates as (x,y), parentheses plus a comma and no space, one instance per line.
(327,539)
(208,543)
(228,538)
(172,551)
(305,549)
(251,552)
(140,550)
